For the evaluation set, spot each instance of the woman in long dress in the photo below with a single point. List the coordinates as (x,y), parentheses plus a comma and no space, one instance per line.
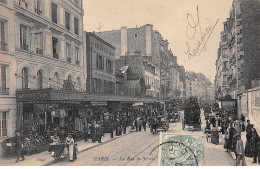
(215,135)
(248,152)
(71,148)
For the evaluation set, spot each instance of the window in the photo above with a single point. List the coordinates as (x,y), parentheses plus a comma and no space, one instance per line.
(23,3)
(109,66)
(38,43)
(136,35)
(3,124)
(37,7)
(4,89)
(55,47)
(99,62)
(3,45)
(39,76)
(77,56)
(23,37)
(76,26)
(225,65)
(68,54)
(56,78)
(67,20)
(54,13)
(224,38)
(25,78)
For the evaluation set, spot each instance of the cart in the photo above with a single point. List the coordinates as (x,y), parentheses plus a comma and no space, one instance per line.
(59,151)
(162,124)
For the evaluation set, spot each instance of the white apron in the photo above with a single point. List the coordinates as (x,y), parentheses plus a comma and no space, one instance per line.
(71,148)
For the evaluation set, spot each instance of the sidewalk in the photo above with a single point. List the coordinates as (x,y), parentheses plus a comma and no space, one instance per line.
(45,158)
(248,160)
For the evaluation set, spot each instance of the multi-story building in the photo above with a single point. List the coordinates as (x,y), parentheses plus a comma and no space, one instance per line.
(240,49)
(150,44)
(146,73)
(7,71)
(100,56)
(45,38)
(182,82)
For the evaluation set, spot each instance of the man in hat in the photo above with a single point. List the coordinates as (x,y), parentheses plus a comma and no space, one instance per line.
(18,144)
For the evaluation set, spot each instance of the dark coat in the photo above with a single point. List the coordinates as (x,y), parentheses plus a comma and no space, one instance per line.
(18,141)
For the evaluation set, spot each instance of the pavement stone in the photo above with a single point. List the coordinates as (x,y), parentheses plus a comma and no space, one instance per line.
(45,158)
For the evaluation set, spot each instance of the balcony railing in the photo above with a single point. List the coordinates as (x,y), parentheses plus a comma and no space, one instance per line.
(56,55)
(68,60)
(3,46)
(39,51)
(24,47)
(4,91)
(37,11)
(67,27)
(77,62)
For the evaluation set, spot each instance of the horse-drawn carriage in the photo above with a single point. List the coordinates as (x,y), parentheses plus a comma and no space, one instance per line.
(191,114)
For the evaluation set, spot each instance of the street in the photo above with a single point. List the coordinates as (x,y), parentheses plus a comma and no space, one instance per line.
(136,149)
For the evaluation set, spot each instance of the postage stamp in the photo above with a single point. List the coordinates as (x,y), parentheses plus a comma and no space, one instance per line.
(180,150)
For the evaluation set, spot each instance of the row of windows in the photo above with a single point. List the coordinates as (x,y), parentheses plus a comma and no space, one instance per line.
(38,42)
(54,17)
(100,64)
(104,49)
(40,77)
(38,7)
(151,81)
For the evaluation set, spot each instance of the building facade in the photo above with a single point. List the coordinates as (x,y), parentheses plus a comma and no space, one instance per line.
(43,49)
(240,49)
(100,56)
(8,70)
(148,43)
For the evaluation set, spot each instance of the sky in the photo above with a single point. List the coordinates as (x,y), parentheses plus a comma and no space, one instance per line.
(192,27)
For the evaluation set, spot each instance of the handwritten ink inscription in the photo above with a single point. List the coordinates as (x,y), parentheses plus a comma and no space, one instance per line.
(194,28)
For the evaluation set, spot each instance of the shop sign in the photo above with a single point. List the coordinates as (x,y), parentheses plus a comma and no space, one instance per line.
(33,96)
(99,103)
(138,104)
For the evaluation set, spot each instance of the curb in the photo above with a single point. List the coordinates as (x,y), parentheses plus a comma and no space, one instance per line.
(81,151)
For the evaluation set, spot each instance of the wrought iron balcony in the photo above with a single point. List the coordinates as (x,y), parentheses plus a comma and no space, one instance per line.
(3,46)
(39,51)
(24,47)
(37,11)
(4,91)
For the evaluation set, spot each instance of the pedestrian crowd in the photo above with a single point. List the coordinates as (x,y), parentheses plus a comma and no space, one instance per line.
(231,128)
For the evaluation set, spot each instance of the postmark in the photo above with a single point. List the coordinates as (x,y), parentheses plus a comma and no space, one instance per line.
(180,150)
